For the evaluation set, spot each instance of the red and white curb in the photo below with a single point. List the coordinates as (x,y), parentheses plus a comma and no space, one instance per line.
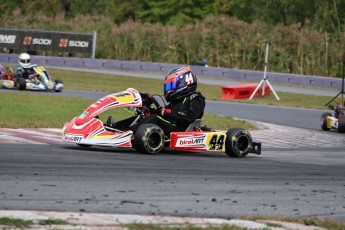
(95,221)
(30,136)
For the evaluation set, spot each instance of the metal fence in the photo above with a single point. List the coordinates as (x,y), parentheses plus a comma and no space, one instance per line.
(246,75)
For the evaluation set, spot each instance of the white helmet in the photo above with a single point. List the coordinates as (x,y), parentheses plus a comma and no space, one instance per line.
(24,60)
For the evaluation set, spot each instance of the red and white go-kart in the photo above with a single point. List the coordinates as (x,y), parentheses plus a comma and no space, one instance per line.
(89,130)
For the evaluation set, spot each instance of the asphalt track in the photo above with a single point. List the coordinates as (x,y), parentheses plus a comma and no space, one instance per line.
(296,180)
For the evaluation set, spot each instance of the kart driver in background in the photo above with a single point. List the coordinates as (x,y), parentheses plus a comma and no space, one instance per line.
(185,104)
(2,72)
(24,70)
(5,74)
(339,109)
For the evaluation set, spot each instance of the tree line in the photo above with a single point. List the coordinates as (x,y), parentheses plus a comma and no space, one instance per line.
(324,15)
(308,35)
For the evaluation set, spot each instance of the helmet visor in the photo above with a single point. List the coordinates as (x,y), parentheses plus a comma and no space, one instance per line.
(169,86)
(25,61)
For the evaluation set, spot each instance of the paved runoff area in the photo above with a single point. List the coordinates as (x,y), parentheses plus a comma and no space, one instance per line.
(270,135)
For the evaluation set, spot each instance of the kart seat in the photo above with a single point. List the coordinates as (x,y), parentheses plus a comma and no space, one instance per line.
(109,125)
(193,125)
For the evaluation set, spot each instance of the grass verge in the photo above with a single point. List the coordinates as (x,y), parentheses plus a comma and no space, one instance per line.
(24,110)
(112,83)
(327,224)
(19,223)
(323,223)
(188,227)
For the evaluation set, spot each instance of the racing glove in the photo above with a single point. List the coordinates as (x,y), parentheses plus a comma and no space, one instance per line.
(146,95)
(163,111)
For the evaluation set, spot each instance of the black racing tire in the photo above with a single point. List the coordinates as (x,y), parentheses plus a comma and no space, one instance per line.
(341,123)
(324,121)
(56,82)
(149,139)
(84,145)
(134,144)
(238,142)
(21,83)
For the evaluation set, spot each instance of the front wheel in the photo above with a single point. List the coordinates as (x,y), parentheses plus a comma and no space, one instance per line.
(238,142)
(58,90)
(149,139)
(324,125)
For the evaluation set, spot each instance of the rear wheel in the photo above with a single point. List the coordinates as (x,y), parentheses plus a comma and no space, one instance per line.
(238,142)
(324,121)
(21,83)
(149,139)
(84,145)
(341,123)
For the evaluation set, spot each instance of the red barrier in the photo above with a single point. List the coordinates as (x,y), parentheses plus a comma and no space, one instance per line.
(243,91)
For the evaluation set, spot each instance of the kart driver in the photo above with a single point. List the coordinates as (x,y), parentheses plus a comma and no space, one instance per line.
(5,74)
(24,70)
(339,109)
(185,104)
(2,72)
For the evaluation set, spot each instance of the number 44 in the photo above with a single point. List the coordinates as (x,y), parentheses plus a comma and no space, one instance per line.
(216,143)
(189,79)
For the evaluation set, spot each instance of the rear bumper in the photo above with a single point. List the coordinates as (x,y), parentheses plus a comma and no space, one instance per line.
(256,148)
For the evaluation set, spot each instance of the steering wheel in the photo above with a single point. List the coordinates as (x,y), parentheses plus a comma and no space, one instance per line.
(148,99)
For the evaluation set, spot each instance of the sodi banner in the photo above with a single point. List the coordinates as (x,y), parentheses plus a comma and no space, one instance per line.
(35,40)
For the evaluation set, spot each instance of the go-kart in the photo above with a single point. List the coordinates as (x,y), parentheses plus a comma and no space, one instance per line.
(335,121)
(89,130)
(7,78)
(39,79)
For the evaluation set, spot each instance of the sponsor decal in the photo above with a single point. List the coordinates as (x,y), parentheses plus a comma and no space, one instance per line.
(8,39)
(190,141)
(72,138)
(28,40)
(63,42)
(42,41)
(83,44)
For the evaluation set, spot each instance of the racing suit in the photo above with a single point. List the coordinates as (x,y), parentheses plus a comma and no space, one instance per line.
(339,110)
(23,72)
(178,114)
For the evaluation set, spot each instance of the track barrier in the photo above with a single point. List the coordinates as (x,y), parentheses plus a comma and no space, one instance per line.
(242,91)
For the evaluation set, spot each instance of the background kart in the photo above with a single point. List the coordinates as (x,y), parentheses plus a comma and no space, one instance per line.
(7,78)
(335,121)
(87,130)
(38,80)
